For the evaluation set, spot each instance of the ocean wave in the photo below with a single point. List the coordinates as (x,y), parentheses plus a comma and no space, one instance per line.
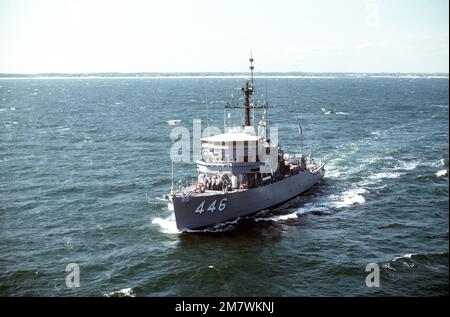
(328,112)
(125,292)
(333,173)
(444,106)
(278,217)
(173,122)
(417,257)
(384,175)
(161,181)
(407,166)
(325,112)
(314,207)
(333,203)
(167,225)
(440,163)
(410,260)
(218,228)
(349,198)
(388,266)
(406,256)
(376,133)
(441,173)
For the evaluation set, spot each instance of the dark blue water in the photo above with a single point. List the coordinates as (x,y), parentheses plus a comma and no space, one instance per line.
(85,162)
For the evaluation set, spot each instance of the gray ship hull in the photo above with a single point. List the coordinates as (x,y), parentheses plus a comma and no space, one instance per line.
(201,210)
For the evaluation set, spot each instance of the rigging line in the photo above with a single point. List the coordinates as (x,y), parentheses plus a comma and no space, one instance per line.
(172,189)
(300,132)
(267,91)
(205,97)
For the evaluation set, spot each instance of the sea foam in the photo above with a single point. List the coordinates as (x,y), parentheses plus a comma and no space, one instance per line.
(441,173)
(278,217)
(384,175)
(125,292)
(350,197)
(167,225)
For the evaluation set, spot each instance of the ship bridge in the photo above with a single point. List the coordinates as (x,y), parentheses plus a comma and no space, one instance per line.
(231,148)
(239,155)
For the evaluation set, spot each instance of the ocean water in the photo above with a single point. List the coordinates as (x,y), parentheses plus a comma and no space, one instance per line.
(84,165)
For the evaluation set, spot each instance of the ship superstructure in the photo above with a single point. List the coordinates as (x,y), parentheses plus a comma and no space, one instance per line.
(242,172)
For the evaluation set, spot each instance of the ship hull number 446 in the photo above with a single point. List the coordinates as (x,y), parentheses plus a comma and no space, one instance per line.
(214,206)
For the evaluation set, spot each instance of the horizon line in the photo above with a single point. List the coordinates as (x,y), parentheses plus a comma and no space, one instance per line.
(215,72)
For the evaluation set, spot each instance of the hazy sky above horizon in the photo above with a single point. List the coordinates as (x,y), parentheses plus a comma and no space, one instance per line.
(207,36)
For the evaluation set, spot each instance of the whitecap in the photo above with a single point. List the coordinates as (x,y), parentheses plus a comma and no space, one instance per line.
(350,197)
(384,175)
(376,133)
(125,292)
(334,202)
(406,256)
(371,160)
(12,108)
(173,122)
(2,109)
(438,163)
(407,166)
(342,113)
(388,266)
(440,106)
(441,173)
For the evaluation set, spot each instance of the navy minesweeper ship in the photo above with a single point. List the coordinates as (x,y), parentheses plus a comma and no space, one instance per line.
(242,172)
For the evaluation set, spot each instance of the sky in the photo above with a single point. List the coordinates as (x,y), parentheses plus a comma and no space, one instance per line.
(41,36)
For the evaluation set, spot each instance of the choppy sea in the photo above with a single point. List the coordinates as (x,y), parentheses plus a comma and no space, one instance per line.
(84,166)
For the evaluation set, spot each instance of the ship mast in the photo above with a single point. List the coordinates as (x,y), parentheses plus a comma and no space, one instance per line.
(248,91)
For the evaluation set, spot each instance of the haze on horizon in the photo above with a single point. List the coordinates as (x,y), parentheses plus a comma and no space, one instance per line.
(70,36)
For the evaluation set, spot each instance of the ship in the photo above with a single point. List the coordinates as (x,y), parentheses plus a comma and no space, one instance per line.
(242,172)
